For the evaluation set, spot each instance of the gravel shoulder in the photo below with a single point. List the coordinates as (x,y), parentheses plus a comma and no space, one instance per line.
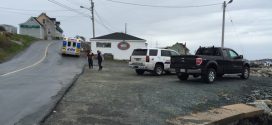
(117,96)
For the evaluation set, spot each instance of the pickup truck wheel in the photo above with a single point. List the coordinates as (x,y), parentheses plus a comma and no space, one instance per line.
(183,76)
(139,72)
(209,76)
(245,73)
(158,70)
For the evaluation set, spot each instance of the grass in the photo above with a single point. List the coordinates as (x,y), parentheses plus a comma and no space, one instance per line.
(9,49)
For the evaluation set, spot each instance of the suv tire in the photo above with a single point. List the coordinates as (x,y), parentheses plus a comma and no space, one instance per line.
(209,76)
(245,73)
(139,71)
(182,76)
(158,70)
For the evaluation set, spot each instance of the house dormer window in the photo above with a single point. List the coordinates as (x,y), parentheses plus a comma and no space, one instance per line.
(43,21)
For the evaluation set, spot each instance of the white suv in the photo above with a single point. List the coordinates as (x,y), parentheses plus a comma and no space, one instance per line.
(156,61)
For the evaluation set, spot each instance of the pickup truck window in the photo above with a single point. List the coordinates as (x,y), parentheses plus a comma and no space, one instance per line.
(208,52)
(139,52)
(165,53)
(232,54)
(153,52)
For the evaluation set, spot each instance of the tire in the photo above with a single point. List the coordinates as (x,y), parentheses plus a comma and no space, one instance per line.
(209,76)
(182,76)
(139,71)
(245,73)
(158,70)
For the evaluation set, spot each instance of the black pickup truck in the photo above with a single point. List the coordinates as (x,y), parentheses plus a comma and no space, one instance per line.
(209,63)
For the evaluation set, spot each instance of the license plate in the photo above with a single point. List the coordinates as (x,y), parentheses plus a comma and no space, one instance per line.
(182,70)
(138,59)
(138,64)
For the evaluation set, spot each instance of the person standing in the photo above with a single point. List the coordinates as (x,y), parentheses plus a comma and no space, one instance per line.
(99,59)
(90,56)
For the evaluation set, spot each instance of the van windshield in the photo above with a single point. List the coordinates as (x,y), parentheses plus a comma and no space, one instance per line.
(139,52)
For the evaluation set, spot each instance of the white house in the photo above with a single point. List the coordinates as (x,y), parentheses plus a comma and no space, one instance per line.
(32,27)
(120,45)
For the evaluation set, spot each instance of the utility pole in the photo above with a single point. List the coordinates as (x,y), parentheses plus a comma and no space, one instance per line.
(92,10)
(223,24)
(125,28)
(92,14)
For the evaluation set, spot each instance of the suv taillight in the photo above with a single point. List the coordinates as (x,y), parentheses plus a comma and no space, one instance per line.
(147,58)
(199,61)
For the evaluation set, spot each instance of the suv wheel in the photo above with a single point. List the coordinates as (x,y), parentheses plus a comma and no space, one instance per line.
(245,73)
(158,70)
(209,76)
(139,71)
(182,76)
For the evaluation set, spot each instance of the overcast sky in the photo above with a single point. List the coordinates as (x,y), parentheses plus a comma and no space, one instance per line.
(248,22)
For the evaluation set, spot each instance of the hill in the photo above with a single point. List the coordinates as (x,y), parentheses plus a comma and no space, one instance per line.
(12,44)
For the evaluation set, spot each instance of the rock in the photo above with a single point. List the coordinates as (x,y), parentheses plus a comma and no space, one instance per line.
(261,104)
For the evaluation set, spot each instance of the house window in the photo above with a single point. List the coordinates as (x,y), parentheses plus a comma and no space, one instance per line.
(43,21)
(103,45)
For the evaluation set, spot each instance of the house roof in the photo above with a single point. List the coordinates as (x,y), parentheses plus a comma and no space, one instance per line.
(59,29)
(35,19)
(118,36)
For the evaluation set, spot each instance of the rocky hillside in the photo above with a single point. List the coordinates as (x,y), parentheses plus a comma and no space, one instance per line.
(262,72)
(12,44)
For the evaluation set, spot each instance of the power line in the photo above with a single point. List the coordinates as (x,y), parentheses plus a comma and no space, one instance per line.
(78,12)
(7,8)
(73,2)
(68,8)
(102,22)
(106,27)
(162,6)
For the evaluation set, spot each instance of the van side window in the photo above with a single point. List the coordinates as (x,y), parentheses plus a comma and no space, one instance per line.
(165,53)
(74,44)
(153,52)
(78,45)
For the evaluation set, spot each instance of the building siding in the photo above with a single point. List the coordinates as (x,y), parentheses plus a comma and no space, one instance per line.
(34,32)
(117,53)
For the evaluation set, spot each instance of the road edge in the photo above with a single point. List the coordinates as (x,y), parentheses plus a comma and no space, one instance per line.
(60,96)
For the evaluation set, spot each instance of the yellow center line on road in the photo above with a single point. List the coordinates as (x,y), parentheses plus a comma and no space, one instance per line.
(30,66)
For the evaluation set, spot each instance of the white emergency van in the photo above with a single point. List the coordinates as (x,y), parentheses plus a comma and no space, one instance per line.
(71,46)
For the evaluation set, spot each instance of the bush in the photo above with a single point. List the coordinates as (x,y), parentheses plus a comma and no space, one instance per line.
(2,29)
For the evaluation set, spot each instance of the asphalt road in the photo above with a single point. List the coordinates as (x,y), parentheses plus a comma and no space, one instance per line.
(30,83)
(117,96)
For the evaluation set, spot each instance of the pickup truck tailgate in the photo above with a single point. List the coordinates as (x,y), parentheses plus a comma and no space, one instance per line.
(183,61)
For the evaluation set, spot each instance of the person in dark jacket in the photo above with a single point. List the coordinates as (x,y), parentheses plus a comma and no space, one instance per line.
(90,56)
(100,59)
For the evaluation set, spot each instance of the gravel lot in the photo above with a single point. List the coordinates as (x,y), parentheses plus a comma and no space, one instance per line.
(117,96)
